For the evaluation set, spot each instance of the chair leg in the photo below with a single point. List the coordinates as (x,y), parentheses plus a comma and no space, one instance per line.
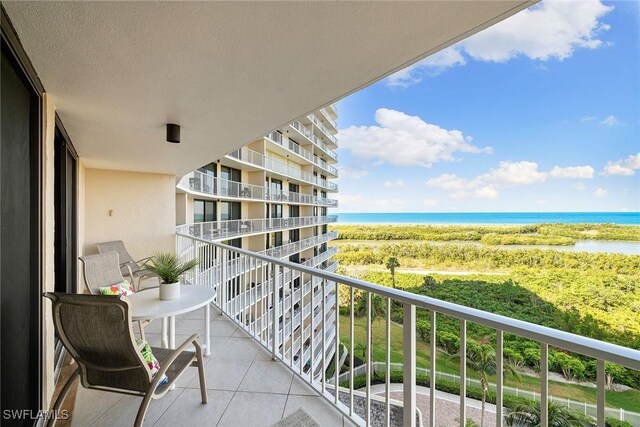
(143,408)
(203,385)
(61,397)
(140,325)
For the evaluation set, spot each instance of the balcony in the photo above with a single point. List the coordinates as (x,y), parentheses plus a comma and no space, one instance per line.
(305,352)
(307,133)
(251,157)
(330,119)
(221,188)
(277,138)
(294,247)
(245,387)
(223,230)
(324,129)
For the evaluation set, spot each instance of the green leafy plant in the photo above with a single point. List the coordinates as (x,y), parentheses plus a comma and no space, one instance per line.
(527,415)
(392,264)
(168,267)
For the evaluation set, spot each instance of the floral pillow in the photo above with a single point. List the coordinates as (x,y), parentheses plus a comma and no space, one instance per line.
(151,360)
(122,289)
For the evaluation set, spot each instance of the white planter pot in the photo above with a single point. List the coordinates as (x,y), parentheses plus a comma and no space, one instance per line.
(170,291)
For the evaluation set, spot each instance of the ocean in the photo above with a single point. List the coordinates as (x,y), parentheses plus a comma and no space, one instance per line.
(622,218)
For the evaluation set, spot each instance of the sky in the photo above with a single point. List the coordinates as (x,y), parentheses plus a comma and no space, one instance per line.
(540,112)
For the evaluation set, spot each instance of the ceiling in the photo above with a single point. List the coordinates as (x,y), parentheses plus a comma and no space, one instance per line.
(227,72)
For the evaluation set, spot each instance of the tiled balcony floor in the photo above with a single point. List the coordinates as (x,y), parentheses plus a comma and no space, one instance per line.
(245,387)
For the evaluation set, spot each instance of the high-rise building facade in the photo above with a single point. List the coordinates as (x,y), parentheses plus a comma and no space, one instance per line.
(273,197)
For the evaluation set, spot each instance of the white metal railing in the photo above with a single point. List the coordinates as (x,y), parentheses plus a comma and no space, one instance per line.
(197,181)
(579,407)
(276,275)
(325,130)
(308,133)
(326,114)
(293,247)
(284,142)
(258,159)
(223,230)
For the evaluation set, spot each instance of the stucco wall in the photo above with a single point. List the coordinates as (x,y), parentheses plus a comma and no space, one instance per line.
(48,243)
(137,208)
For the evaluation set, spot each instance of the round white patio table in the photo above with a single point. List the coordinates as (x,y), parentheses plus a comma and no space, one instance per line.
(146,304)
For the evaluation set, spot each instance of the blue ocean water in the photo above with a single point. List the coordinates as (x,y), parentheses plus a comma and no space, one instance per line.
(622,218)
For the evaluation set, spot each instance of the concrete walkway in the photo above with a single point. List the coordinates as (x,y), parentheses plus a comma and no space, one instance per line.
(447,406)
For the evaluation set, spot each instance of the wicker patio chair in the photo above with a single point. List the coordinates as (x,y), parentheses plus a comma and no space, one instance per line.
(102,270)
(128,265)
(96,331)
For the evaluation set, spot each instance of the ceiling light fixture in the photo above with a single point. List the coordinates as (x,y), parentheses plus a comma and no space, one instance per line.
(173,133)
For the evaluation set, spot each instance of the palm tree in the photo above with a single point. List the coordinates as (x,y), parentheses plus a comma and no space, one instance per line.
(482,359)
(378,309)
(392,264)
(525,415)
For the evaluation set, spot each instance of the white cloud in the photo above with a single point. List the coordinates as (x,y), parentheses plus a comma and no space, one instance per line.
(361,203)
(588,119)
(622,167)
(514,173)
(507,174)
(610,121)
(432,65)
(448,181)
(430,202)
(550,29)
(578,172)
(579,186)
(405,140)
(352,172)
(600,192)
(394,184)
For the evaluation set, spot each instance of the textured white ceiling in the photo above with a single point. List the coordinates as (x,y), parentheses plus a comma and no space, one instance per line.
(228,72)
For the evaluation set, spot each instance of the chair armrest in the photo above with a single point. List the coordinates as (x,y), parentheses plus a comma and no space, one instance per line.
(143,260)
(193,339)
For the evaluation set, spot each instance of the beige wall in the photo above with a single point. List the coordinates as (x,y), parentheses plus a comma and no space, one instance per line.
(137,208)
(48,211)
(182,200)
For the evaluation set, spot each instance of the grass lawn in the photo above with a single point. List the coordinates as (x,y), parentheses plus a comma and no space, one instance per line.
(628,400)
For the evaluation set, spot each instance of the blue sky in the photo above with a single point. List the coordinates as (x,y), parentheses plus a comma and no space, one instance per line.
(539,113)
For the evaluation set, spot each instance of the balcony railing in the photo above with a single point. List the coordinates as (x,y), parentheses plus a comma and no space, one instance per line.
(277,138)
(314,139)
(293,247)
(207,184)
(326,114)
(253,157)
(223,230)
(274,274)
(325,130)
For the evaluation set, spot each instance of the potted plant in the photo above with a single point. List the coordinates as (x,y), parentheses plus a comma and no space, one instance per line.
(168,267)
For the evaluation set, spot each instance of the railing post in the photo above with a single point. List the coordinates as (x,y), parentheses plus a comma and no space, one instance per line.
(544,385)
(275,304)
(223,280)
(600,394)
(463,372)
(499,377)
(409,369)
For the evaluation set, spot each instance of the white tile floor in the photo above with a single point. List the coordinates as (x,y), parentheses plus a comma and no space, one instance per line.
(245,387)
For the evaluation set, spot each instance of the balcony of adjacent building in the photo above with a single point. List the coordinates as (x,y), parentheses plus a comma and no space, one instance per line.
(325,131)
(230,229)
(200,183)
(306,156)
(246,156)
(308,134)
